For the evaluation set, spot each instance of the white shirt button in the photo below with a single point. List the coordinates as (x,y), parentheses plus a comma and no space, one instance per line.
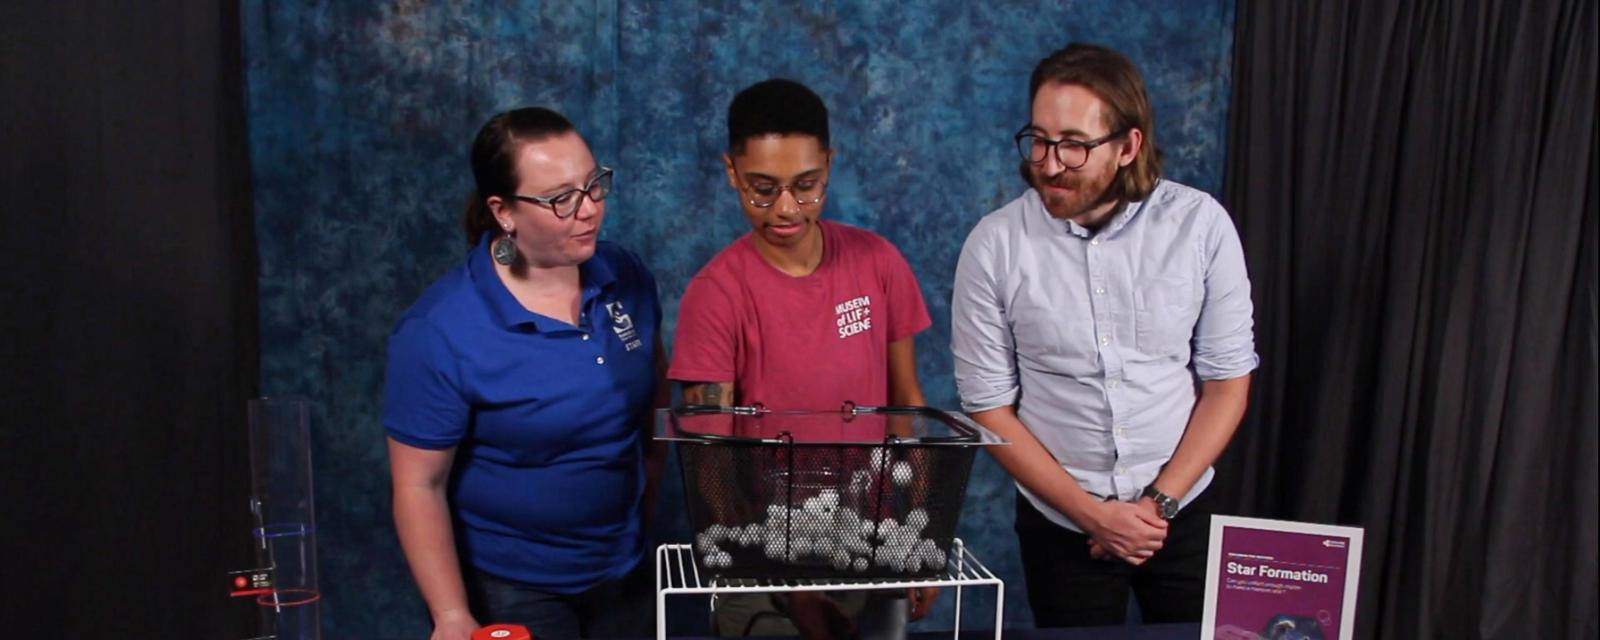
(1095,242)
(1113,383)
(1122,431)
(1121,470)
(600,360)
(1100,291)
(1105,339)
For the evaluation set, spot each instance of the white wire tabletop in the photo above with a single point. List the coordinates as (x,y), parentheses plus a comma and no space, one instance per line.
(677,573)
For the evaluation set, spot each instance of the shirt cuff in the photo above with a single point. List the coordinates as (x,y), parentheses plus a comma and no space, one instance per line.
(1226,369)
(431,444)
(975,402)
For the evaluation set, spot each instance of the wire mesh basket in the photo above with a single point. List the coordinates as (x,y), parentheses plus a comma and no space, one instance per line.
(861,493)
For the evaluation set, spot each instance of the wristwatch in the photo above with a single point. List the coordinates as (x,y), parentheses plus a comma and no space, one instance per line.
(1166,507)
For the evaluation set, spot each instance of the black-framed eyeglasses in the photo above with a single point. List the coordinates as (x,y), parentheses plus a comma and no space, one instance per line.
(565,204)
(762,194)
(1072,154)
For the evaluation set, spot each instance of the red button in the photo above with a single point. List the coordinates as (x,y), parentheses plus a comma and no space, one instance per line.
(503,632)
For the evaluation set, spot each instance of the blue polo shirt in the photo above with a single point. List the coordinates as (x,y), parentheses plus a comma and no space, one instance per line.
(549,419)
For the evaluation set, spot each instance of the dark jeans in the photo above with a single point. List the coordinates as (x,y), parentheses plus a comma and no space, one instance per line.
(878,615)
(1067,588)
(613,609)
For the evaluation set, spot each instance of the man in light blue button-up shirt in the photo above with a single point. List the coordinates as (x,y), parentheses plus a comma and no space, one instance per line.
(1102,324)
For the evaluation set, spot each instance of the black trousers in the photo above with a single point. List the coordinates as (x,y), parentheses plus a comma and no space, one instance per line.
(1067,588)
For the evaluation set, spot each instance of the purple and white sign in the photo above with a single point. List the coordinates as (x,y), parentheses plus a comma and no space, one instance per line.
(1279,580)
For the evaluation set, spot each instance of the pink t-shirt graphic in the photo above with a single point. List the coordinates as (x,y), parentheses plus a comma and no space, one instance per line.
(812,342)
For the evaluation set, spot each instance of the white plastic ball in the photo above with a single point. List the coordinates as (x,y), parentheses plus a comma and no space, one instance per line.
(896,558)
(778,523)
(901,473)
(805,524)
(917,519)
(880,457)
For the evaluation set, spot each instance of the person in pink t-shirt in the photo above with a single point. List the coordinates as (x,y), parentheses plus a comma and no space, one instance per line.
(800,313)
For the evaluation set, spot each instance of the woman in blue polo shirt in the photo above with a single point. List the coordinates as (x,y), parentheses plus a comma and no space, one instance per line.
(518,401)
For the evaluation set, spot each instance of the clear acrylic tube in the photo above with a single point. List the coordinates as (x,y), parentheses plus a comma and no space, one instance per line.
(285,533)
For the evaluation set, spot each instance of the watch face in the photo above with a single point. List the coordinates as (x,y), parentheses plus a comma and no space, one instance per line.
(1165,505)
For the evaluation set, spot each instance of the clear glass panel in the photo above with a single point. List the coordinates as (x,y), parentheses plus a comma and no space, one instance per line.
(849,425)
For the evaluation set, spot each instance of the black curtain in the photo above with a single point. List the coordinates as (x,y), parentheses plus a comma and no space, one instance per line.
(127,320)
(1415,184)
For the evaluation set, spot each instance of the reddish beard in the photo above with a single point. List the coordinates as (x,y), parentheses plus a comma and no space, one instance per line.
(1087,191)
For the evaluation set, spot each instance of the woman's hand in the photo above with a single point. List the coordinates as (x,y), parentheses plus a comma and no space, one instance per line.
(456,624)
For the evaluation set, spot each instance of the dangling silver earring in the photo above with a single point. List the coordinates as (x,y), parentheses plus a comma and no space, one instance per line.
(504,249)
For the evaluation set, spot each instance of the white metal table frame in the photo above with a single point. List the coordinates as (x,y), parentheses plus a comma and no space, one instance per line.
(678,574)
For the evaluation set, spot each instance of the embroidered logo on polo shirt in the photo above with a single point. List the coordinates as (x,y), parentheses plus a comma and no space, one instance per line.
(855,316)
(622,324)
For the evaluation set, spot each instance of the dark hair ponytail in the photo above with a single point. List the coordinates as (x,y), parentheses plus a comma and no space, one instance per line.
(477,220)
(494,160)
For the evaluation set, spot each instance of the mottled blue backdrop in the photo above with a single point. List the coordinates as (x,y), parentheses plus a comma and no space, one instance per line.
(361,115)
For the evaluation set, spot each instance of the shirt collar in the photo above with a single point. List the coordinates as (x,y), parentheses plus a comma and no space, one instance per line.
(1130,210)
(595,276)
